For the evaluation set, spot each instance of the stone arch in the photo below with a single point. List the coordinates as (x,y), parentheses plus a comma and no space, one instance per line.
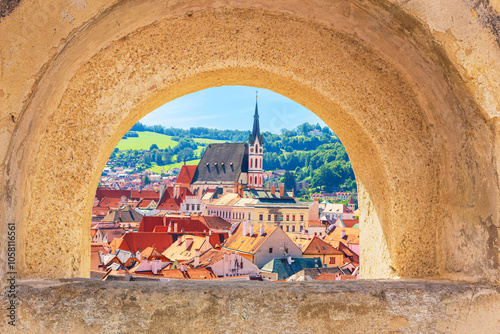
(420,145)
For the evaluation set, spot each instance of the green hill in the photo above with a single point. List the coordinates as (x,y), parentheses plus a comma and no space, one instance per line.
(145,140)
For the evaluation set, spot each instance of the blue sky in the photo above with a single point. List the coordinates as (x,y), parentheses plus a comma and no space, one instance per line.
(232,107)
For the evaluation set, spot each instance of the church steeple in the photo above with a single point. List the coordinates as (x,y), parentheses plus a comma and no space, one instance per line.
(256,127)
(255,153)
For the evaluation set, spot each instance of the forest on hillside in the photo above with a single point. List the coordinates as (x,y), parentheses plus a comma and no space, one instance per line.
(320,160)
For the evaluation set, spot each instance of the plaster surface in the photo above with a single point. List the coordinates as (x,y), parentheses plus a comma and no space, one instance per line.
(75,306)
(415,109)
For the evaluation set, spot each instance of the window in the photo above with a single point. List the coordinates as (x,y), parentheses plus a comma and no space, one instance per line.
(288,228)
(251,163)
(301,218)
(293,217)
(281,217)
(287,218)
(281,226)
(332,260)
(261,217)
(198,207)
(293,228)
(269,217)
(270,250)
(301,228)
(256,180)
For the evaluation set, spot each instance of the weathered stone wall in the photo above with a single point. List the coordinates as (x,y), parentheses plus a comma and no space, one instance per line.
(411,90)
(252,307)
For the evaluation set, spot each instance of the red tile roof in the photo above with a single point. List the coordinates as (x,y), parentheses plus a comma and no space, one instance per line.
(191,273)
(148,223)
(168,202)
(141,240)
(145,194)
(186,175)
(350,222)
(318,246)
(100,193)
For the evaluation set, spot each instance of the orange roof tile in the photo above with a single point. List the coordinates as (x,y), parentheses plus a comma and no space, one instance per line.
(318,246)
(186,175)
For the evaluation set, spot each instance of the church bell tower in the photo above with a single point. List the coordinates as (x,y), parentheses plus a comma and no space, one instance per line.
(255,153)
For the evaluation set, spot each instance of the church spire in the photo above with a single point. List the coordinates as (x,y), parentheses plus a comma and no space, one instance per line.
(256,127)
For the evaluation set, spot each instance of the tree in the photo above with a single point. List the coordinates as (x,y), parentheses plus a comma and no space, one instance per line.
(289,180)
(154,146)
(146,180)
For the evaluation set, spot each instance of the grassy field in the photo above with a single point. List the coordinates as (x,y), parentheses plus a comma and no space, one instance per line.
(157,169)
(145,140)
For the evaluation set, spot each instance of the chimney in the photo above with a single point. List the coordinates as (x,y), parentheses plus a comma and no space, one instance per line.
(282,190)
(245,228)
(175,227)
(196,262)
(170,227)
(188,243)
(261,230)
(236,187)
(273,190)
(251,229)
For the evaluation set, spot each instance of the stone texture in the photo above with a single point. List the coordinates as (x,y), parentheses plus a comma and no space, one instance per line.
(408,88)
(77,306)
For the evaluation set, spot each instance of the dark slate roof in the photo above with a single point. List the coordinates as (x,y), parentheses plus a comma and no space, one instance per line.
(124,216)
(222,163)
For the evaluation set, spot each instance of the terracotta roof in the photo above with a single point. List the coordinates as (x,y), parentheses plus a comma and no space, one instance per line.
(190,273)
(326,277)
(248,244)
(186,175)
(351,200)
(145,194)
(184,248)
(168,202)
(100,193)
(210,257)
(148,223)
(215,222)
(318,246)
(144,203)
(107,202)
(152,253)
(315,224)
(141,240)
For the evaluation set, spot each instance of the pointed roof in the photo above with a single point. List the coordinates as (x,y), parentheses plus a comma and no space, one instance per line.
(351,200)
(256,127)
(186,175)
(320,247)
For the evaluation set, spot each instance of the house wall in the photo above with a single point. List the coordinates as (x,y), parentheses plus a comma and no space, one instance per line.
(226,266)
(278,241)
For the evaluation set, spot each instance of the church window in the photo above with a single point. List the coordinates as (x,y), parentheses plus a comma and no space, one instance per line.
(256,147)
(256,180)
(251,163)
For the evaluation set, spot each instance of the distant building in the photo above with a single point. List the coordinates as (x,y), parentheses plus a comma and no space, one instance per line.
(315,132)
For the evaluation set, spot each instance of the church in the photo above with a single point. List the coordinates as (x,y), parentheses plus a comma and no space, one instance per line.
(230,167)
